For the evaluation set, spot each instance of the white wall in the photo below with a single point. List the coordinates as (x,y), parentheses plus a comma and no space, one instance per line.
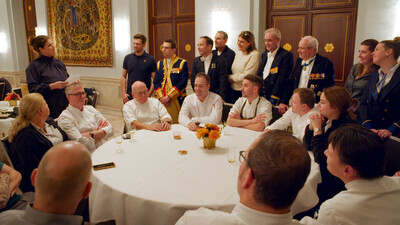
(13,52)
(379,20)
(241,16)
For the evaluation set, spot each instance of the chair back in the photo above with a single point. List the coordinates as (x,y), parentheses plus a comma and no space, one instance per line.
(5,156)
(2,91)
(392,155)
(225,111)
(275,114)
(24,89)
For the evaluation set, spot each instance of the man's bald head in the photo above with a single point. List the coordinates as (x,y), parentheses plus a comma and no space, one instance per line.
(64,172)
(140,92)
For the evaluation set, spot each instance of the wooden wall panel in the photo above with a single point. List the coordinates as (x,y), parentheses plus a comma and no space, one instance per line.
(333,41)
(161,32)
(288,4)
(185,8)
(320,4)
(186,44)
(292,28)
(161,9)
(30,25)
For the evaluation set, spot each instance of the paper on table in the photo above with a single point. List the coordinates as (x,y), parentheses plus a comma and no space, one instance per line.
(72,78)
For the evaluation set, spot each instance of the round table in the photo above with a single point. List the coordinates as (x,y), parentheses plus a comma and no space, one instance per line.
(153,184)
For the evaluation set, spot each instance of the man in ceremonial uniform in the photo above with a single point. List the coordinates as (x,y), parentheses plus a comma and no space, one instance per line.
(171,78)
(310,71)
(275,67)
(212,65)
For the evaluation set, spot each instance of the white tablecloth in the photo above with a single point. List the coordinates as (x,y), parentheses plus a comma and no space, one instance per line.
(5,123)
(153,184)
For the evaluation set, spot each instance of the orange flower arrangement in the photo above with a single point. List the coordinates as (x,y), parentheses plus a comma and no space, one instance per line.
(209,130)
(12,96)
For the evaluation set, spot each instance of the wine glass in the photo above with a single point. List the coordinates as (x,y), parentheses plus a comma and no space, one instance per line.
(131,133)
(118,140)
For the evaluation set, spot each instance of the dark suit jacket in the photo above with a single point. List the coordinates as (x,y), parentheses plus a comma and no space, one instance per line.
(216,71)
(275,84)
(229,55)
(383,112)
(27,149)
(322,76)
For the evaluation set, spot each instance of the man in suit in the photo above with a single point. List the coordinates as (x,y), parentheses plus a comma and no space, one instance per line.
(212,65)
(275,67)
(171,78)
(221,49)
(310,71)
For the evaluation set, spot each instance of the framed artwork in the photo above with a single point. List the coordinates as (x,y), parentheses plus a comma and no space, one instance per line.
(81,31)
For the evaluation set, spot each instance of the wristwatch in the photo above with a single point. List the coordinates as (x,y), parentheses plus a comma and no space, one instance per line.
(91,134)
(316,129)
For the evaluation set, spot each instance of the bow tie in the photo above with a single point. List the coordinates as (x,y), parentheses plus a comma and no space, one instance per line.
(203,58)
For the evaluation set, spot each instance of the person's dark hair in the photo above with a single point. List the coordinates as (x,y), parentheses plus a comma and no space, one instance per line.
(281,165)
(394,45)
(307,96)
(371,43)
(249,37)
(172,42)
(341,99)
(141,37)
(256,80)
(38,42)
(223,33)
(360,148)
(201,74)
(209,41)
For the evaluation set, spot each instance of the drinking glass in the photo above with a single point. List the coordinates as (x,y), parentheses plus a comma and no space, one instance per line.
(118,139)
(131,133)
(232,154)
(177,134)
(226,131)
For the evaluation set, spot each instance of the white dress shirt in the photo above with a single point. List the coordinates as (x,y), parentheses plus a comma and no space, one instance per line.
(267,68)
(374,201)
(207,62)
(298,122)
(241,215)
(389,74)
(152,111)
(305,73)
(193,110)
(258,106)
(52,134)
(74,122)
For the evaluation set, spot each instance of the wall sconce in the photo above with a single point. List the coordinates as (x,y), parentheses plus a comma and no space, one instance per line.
(121,34)
(3,42)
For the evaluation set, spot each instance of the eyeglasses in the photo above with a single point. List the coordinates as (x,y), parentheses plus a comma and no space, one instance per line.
(243,158)
(79,94)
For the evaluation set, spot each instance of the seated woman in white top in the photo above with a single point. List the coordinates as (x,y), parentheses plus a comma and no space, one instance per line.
(246,61)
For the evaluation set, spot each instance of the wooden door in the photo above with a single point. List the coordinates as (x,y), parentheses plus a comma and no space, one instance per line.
(172,19)
(332,22)
(30,25)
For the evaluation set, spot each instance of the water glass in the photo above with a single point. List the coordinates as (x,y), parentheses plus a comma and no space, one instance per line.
(118,139)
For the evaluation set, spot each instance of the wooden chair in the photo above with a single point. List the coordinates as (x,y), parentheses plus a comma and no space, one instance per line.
(24,89)
(5,152)
(392,155)
(2,91)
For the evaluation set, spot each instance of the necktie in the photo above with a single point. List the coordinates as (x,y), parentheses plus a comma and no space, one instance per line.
(378,87)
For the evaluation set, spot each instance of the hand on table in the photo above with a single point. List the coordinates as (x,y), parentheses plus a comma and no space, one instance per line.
(192,126)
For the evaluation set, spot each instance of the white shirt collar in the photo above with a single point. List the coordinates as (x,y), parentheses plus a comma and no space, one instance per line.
(309,61)
(272,54)
(208,58)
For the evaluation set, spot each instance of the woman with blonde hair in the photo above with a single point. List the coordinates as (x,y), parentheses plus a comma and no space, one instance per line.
(246,61)
(31,135)
(336,108)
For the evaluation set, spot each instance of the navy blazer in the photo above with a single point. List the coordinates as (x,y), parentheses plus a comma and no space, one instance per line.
(324,76)
(27,149)
(229,56)
(216,71)
(383,112)
(275,84)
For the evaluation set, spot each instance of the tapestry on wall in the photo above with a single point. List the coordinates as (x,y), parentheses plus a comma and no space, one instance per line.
(81,31)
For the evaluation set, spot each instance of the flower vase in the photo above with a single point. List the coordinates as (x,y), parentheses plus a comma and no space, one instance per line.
(208,143)
(13,102)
